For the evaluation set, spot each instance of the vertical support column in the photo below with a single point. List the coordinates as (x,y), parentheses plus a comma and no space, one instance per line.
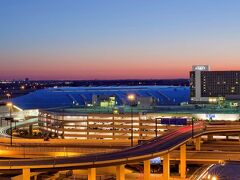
(120,172)
(58,123)
(210,137)
(92,174)
(132,136)
(62,126)
(140,132)
(147,168)
(227,137)
(30,129)
(138,126)
(166,167)
(113,121)
(26,174)
(183,161)
(87,127)
(198,144)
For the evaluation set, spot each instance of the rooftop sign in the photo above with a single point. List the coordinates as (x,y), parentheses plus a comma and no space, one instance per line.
(200,68)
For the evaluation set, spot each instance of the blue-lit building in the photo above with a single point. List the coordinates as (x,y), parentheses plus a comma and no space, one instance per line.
(98,96)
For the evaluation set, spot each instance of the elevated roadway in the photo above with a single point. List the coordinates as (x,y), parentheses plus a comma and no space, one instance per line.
(207,156)
(3,130)
(151,149)
(160,146)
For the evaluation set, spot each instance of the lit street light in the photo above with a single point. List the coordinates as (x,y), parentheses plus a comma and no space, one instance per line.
(131,98)
(9,105)
(193,119)
(156,128)
(8,95)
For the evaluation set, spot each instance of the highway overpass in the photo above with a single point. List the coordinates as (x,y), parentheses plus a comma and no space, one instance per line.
(160,146)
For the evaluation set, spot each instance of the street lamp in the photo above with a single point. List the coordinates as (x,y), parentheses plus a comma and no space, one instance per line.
(131,99)
(193,127)
(8,95)
(10,105)
(156,128)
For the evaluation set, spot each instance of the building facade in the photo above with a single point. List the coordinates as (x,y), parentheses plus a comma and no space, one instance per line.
(212,86)
(105,126)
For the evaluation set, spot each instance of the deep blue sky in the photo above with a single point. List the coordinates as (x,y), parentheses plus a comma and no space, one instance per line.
(110,39)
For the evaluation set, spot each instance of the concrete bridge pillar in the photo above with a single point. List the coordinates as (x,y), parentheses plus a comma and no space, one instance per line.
(183,161)
(26,174)
(92,174)
(147,170)
(120,172)
(166,167)
(35,177)
(31,129)
(198,144)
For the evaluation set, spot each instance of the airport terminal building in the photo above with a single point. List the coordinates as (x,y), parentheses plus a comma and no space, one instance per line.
(145,96)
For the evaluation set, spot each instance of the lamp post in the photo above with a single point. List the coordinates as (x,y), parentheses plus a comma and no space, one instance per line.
(8,95)
(156,128)
(193,127)
(131,99)
(9,105)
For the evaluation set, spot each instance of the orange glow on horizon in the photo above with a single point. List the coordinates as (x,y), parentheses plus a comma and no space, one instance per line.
(86,68)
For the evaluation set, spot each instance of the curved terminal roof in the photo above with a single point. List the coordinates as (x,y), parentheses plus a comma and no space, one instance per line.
(69,96)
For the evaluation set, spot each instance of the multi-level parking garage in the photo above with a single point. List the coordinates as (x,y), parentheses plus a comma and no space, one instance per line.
(102,126)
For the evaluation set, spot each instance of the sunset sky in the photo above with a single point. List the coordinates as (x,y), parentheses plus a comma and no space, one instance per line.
(117,39)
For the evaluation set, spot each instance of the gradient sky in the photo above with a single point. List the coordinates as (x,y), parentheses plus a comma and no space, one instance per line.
(117,39)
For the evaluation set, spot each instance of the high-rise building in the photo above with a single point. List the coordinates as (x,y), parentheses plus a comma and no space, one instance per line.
(211,86)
